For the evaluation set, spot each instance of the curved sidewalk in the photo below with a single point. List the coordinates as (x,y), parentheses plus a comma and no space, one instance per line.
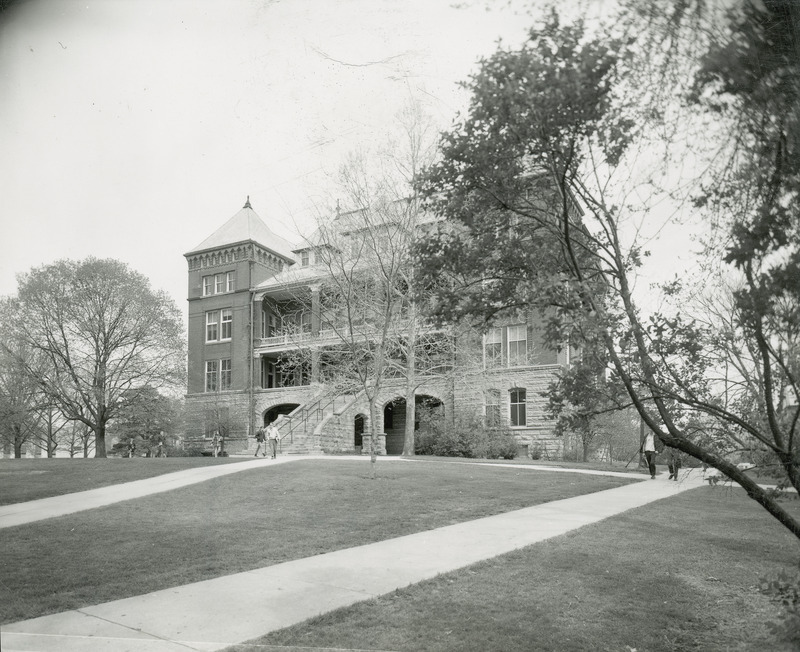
(214,614)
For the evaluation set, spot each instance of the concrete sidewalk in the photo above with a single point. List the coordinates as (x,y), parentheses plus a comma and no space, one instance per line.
(36,510)
(214,614)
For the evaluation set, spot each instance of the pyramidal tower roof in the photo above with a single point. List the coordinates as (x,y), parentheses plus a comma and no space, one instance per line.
(245,226)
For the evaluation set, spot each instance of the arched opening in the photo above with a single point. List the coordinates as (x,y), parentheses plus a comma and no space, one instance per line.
(276,410)
(428,408)
(358,432)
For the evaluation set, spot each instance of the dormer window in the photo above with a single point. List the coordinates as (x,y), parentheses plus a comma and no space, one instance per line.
(305,258)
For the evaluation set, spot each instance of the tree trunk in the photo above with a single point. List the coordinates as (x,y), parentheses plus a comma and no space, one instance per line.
(411,363)
(411,416)
(373,436)
(99,442)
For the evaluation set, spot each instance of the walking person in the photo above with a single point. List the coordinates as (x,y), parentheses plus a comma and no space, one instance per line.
(262,441)
(674,463)
(215,443)
(649,447)
(272,436)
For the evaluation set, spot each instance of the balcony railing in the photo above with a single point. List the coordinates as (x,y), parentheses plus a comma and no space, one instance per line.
(328,335)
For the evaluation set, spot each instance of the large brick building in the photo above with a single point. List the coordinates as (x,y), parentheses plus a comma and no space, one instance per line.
(245,321)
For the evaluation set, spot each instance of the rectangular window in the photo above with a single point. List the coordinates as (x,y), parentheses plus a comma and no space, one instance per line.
(273,325)
(267,374)
(493,348)
(219,283)
(225,375)
(212,324)
(226,324)
(517,345)
(517,400)
(212,369)
(493,408)
(305,258)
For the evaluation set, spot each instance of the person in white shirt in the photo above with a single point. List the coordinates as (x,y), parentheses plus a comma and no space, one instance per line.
(650,453)
(272,437)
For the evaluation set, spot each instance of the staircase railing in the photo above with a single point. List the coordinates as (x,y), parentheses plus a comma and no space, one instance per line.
(301,416)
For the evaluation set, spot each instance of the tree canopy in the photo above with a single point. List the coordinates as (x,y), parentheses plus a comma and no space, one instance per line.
(543,191)
(102,332)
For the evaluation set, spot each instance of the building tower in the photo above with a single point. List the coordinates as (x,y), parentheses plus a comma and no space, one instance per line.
(223,268)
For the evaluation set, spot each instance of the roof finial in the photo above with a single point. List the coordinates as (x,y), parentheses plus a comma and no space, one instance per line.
(247,203)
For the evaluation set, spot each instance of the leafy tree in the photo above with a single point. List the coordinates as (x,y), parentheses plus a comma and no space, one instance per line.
(147,417)
(580,398)
(540,183)
(102,332)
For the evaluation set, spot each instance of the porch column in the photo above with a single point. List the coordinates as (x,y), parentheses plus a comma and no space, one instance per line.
(315,324)
(315,310)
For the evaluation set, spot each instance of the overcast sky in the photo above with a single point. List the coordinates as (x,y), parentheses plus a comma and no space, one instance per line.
(133,129)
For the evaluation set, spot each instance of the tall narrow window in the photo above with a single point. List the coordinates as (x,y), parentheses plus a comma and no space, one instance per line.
(493,348)
(517,345)
(208,285)
(267,373)
(225,375)
(226,324)
(273,325)
(264,322)
(230,281)
(212,325)
(219,284)
(305,258)
(493,408)
(212,369)
(517,400)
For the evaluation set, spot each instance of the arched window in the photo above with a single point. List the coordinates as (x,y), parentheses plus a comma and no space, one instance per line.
(517,404)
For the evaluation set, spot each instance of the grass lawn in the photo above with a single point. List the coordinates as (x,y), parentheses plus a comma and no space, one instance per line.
(679,575)
(29,479)
(249,520)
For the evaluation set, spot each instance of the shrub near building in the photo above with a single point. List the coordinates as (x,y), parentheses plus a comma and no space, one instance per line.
(466,436)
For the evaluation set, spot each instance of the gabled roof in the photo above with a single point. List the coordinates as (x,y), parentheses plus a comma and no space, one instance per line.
(245,226)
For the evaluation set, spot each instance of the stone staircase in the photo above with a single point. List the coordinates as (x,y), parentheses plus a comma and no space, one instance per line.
(300,430)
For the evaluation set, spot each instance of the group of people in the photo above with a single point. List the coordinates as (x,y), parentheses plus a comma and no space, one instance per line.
(159,451)
(652,446)
(268,437)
